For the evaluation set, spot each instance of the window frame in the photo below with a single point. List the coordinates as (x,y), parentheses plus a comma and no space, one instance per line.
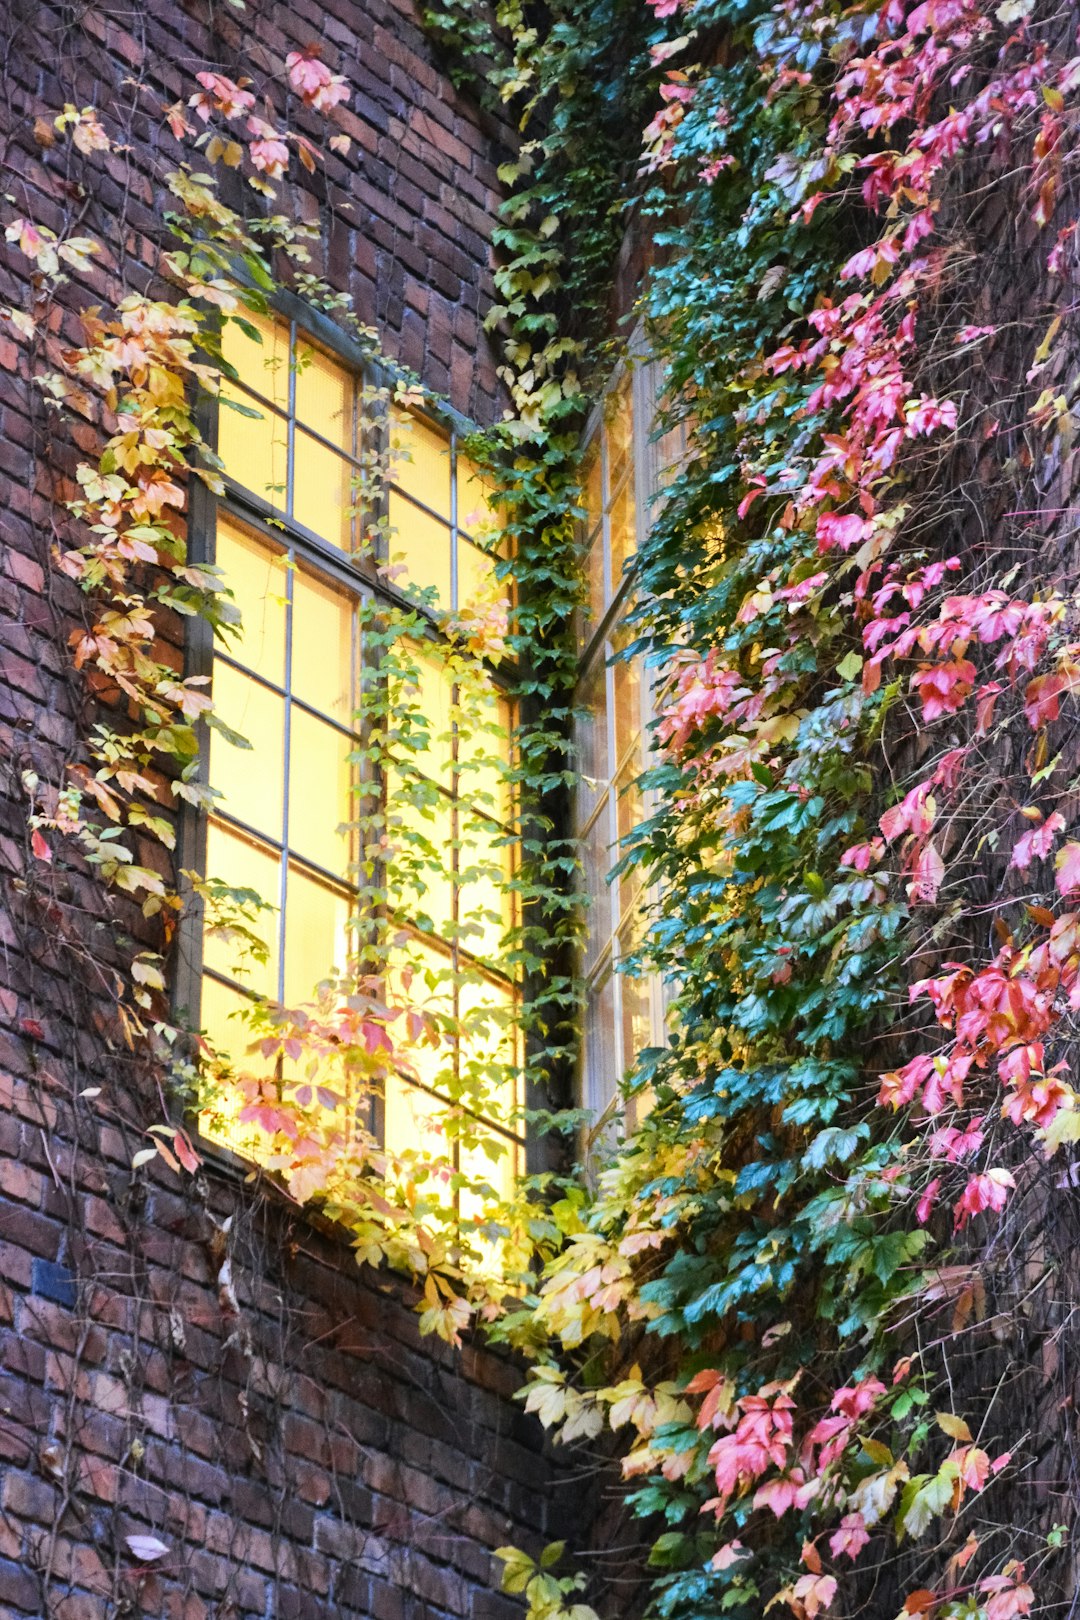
(359,575)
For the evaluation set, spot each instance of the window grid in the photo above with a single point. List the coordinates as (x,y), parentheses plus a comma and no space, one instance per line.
(308,549)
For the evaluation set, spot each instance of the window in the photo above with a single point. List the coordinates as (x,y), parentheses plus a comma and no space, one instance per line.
(319,548)
(623,1013)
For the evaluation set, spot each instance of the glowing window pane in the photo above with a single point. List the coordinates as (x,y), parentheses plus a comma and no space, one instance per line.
(263,366)
(322,491)
(421,830)
(254,448)
(591,734)
(431,698)
(597,862)
(250,780)
(256,574)
(222,1019)
(485,725)
(324,395)
(476,499)
(619,420)
(323,660)
(484,906)
(231,1037)
(415,1120)
(599,1045)
(623,532)
(421,977)
(590,480)
(477,586)
(421,545)
(421,462)
(320,796)
(490,1160)
(636,997)
(244,863)
(628,717)
(630,804)
(316,933)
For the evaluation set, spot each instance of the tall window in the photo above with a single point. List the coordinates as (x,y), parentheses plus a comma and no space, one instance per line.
(299,436)
(623,1013)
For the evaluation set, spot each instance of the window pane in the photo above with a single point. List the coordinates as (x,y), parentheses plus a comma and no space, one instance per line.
(597,860)
(491,1159)
(484,751)
(597,594)
(251,780)
(623,533)
(476,507)
(421,830)
(599,1049)
(322,491)
(420,977)
(431,699)
(421,546)
(414,1121)
(484,906)
(323,661)
(324,393)
(244,863)
(254,449)
(637,1032)
(626,675)
(630,804)
(316,933)
(320,797)
(256,573)
(591,737)
(619,420)
(263,366)
(421,462)
(489,1009)
(476,582)
(226,1029)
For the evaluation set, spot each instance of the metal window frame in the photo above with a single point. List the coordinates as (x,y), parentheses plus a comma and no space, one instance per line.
(359,575)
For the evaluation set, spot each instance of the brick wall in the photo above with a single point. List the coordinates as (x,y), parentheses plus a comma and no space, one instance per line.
(195,1362)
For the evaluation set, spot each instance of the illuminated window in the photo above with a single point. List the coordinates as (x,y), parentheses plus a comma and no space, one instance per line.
(298,435)
(623,1013)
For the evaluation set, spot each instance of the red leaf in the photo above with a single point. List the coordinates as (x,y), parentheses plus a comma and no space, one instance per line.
(39,846)
(1067,863)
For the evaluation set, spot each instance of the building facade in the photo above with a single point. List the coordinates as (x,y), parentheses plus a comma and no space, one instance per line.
(206,1407)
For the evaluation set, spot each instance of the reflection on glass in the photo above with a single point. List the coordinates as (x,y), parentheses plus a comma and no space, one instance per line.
(320,796)
(324,396)
(250,780)
(253,447)
(322,491)
(258,578)
(244,863)
(323,658)
(316,932)
(420,544)
(421,462)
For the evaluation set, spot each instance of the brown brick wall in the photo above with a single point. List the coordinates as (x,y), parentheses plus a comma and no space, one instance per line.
(290,1439)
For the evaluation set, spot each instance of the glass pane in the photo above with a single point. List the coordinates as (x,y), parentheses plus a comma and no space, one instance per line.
(597,859)
(322,491)
(623,532)
(316,933)
(244,863)
(487,1009)
(263,366)
(324,393)
(485,907)
(636,997)
(599,1052)
(320,797)
(626,674)
(590,480)
(254,448)
(226,1029)
(231,1037)
(256,573)
(476,499)
(591,738)
(421,462)
(430,698)
(322,646)
(251,780)
(420,544)
(597,595)
(619,420)
(490,1159)
(420,977)
(414,1123)
(484,752)
(421,830)
(476,582)
(630,803)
